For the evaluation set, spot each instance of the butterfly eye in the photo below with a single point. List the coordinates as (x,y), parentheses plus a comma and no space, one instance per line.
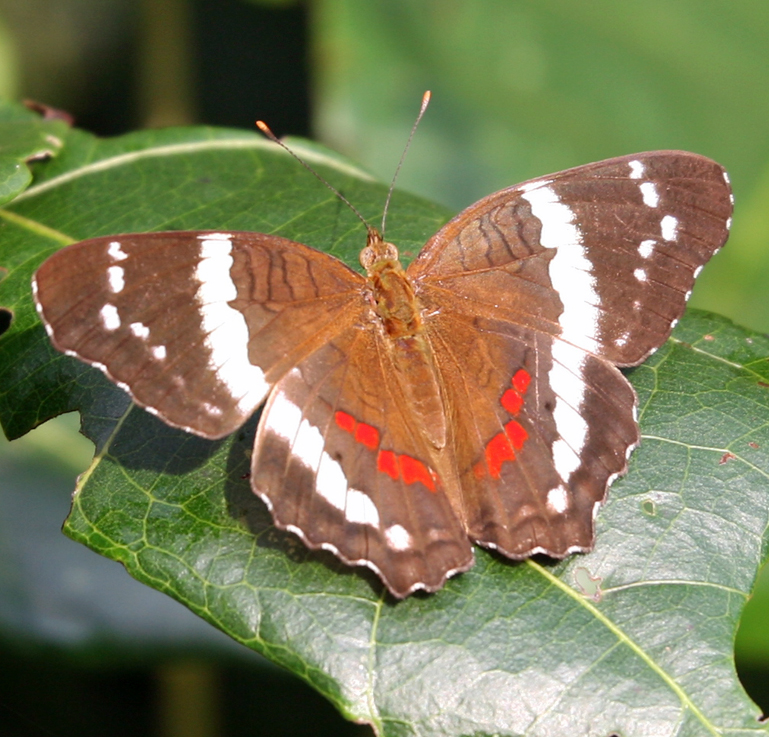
(377,253)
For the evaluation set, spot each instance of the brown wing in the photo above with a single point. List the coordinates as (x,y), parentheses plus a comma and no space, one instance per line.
(603,256)
(540,430)
(339,461)
(196,326)
(549,285)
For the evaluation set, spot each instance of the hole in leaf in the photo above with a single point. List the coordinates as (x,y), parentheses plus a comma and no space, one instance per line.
(726,457)
(589,585)
(6,317)
(649,507)
(750,647)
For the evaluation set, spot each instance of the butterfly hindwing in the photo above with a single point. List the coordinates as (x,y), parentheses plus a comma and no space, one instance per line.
(340,461)
(541,428)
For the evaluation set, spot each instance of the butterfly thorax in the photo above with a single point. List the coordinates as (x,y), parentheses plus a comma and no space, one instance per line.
(391,291)
(398,310)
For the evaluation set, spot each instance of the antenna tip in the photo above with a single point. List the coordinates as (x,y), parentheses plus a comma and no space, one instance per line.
(425,100)
(262,126)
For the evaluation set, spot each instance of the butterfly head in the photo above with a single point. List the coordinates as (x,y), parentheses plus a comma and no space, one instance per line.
(378,254)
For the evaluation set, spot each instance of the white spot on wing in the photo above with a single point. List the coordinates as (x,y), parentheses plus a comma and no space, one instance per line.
(669,227)
(225,328)
(398,537)
(360,509)
(284,417)
(636,169)
(215,237)
(331,484)
(569,387)
(640,274)
(115,251)
(557,500)
(140,330)
(330,480)
(308,446)
(649,192)
(116,278)
(570,269)
(306,440)
(565,460)
(110,317)
(646,248)
(159,352)
(571,275)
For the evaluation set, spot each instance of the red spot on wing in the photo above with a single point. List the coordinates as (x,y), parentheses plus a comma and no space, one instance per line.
(345,421)
(409,469)
(521,381)
(503,445)
(395,466)
(367,434)
(363,433)
(512,401)
(414,470)
(387,462)
(516,433)
(498,450)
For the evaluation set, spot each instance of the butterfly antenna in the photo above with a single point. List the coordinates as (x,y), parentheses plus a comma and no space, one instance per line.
(262,126)
(425,103)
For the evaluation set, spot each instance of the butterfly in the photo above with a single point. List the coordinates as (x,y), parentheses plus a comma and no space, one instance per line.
(474,397)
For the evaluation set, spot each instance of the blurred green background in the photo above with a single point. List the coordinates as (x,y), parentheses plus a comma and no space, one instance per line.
(520,89)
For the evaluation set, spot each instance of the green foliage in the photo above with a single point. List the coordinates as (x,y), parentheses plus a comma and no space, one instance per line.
(24,137)
(634,638)
(524,88)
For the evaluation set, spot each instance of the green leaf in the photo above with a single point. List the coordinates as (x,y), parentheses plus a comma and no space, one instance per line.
(24,137)
(634,638)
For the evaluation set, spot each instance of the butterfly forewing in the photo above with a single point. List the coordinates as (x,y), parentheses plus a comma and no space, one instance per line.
(196,326)
(615,247)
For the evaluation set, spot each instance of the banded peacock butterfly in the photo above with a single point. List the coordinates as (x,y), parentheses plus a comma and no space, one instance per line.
(473,397)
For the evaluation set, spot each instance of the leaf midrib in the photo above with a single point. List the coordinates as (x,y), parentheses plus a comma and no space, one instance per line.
(176,149)
(622,637)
